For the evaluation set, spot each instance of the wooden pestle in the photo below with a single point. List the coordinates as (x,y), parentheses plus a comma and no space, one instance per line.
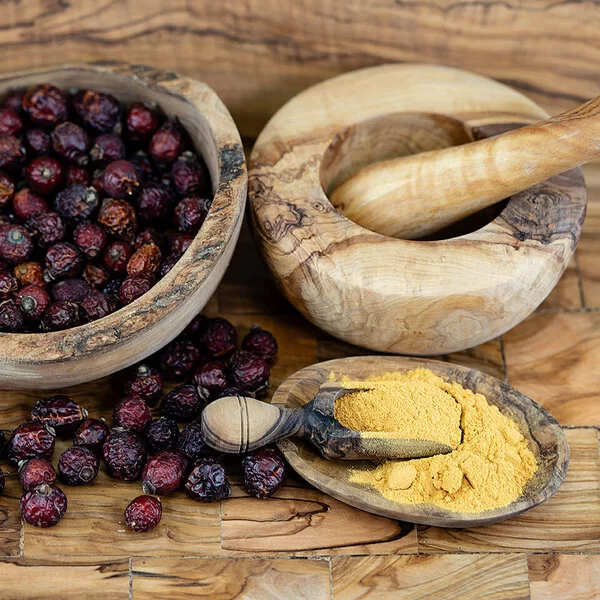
(413,196)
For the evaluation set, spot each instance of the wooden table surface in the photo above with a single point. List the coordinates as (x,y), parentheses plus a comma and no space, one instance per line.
(304,544)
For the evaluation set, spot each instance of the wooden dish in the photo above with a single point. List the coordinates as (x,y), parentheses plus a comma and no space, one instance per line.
(546,440)
(63,358)
(397,295)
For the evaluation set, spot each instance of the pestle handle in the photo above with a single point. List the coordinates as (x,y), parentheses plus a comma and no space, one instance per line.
(235,424)
(413,196)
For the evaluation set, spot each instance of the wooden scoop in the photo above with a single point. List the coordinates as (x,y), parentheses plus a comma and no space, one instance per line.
(235,424)
(425,192)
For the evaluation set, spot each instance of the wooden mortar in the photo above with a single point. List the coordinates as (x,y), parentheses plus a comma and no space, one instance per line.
(397,295)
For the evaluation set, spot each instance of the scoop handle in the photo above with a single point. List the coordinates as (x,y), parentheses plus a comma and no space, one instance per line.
(416,195)
(235,424)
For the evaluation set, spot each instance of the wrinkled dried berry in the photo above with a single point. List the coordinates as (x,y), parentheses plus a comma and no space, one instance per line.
(143,513)
(182,404)
(10,121)
(166,144)
(7,189)
(63,260)
(166,265)
(60,412)
(146,383)
(45,105)
(61,315)
(78,465)
(37,142)
(44,175)
(208,482)
(44,506)
(107,148)
(162,434)
(144,261)
(261,342)
(140,122)
(178,358)
(100,112)
(13,100)
(178,242)
(30,273)
(124,453)
(33,301)
(35,472)
(8,284)
(47,228)
(148,236)
(11,318)
(264,472)
(112,289)
(27,203)
(119,219)
(76,203)
(97,305)
(120,179)
(77,175)
(73,289)
(154,201)
(92,433)
(190,214)
(164,473)
(16,245)
(70,142)
(249,372)
(96,276)
(211,377)
(30,440)
(90,238)
(131,413)
(191,442)
(189,176)
(116,256)
(219,337)
(12,152)
(134,287)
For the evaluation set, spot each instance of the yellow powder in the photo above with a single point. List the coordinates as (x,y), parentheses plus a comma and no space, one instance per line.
(487,470)
(409,409)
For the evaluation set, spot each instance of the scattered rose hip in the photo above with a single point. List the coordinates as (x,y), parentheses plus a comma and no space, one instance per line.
(82,177)
(143,513)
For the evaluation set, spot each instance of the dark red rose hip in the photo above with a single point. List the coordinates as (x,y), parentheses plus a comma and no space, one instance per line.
(145,261)
(131,413)
(190,214)
(154,201)
(97,305)
(124,453)
(63,260)
(16,245)
(189,176)
(11,317)
(162,434)
(264,472)
(45,105)
(191,442)
(47,228)
(208,482)
(178,358)
(96,276)
(44,175)
(30,440)
(90,238)
(143,513)
(70,142)
(99,112)
(73,289)
(77,175)
(61,315)
(260,342)
(164,473)
(33,301)
(78,465)
(37,142)
(166,144)
(133,288)
(8,284)
(182,404)
(12,152)
(27,203)
(118,218)
(249,372)
(211,376)
(141,122)
(61,413)
(116,256)
(92,433)
(44,506)
(146,383)
(107,148)
(35,472)
(77,202)
(219,337)
(120,179)
(10,121)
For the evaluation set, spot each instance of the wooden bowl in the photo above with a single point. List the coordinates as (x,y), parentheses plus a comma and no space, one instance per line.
(62,358)
(396,295)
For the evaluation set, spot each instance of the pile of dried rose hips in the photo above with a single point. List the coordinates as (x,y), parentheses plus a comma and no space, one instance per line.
(97,202)
(165,458)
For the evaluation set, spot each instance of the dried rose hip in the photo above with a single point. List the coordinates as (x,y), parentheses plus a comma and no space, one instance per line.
(96,276)
(61,315)
(78,465)
(124,453)
(134,287)
(44,175)
(148,236)
(107,148)
(16,245)
(7,189)
(45,105)
(120,179)
(70,142)
(8,284)
(35,472)
(73,290)
(143,164)
(47,228)
(146,383)
(11,318)
(44,506)
(12,152)
(162,434)
(30,440)
(37,142)
(27,203)
(178,358)
(13,100)
(249,372)
(30,273)
(100,112)
(144,261)
(92,433)
(90,238)
(63,260)
(210,377)
(166,265)
(119,219)
(97,305)
(264,472)
(261,342)
(61,413)
(116,256)
(77,175)
(207,482)
(131,413)
(10,121)
(182,403)
(179,242)
(76,203)
(154,201)
(33,301)
(189,176)
(164,473)
(190,214)
(141,122)
(167,143)
(219,337)
(143,513)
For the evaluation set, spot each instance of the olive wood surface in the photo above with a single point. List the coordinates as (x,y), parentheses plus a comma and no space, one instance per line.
(80,354)
(383,293)
(546,440)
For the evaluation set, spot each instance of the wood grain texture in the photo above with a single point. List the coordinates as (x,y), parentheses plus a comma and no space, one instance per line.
(229,579)
(466,577)
(564,576)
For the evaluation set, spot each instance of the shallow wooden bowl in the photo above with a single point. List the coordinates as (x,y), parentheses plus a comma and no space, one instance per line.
(396,295)
(48,360)
(546,440)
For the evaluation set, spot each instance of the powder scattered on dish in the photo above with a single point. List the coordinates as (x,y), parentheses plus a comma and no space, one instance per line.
(491,462)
